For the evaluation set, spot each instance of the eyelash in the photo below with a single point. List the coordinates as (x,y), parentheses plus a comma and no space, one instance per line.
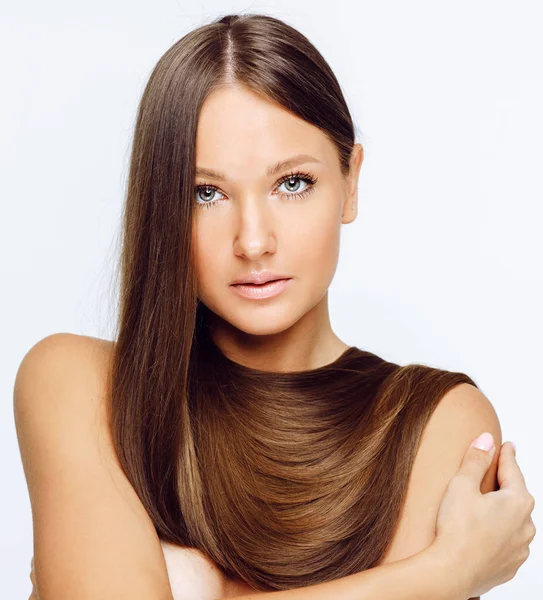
(309,179)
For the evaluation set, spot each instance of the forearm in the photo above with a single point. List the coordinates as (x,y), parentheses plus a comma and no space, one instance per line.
(420,577)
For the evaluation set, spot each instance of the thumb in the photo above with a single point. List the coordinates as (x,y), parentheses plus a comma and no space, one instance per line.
(477,458)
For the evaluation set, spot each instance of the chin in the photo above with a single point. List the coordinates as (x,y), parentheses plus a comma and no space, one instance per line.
(253,318)
(260,324)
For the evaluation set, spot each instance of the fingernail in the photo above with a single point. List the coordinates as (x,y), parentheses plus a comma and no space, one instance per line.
(514,447)
(484,442)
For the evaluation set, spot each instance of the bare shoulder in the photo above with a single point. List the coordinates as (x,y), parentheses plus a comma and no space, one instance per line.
(92,535)
(462,414)
(61,377)
(58,349)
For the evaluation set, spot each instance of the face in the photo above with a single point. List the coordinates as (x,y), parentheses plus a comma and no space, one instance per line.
(287,221)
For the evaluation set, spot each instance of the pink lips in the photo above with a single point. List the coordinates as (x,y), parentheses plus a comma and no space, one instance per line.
(261,291)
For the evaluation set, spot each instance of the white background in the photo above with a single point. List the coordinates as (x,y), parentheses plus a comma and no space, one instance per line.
(443,265)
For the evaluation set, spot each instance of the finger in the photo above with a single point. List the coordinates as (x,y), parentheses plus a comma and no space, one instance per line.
(509,473)
(476,460)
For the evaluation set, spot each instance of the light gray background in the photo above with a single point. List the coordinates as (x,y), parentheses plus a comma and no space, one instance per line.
(442,266)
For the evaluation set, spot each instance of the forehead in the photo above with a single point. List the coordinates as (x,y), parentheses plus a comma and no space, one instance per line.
(241,134)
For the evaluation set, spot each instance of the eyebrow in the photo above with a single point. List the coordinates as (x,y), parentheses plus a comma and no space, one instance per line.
(272,170)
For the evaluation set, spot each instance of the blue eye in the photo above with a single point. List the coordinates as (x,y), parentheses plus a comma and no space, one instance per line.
(210,189)
(310,181)
(297,181)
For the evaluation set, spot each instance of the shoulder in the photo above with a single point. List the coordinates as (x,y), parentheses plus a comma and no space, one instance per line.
(462,414)
(61,359)
(64,346)
(59,396)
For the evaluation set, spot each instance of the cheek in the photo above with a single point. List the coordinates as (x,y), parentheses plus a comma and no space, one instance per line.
(315,243)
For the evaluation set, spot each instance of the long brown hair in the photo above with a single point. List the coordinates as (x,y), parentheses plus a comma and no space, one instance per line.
(283,479)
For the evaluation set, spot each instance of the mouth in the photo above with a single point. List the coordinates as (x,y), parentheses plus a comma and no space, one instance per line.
(259,291)
(260,285)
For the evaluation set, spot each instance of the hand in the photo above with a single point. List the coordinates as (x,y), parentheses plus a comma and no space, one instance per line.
(486,537)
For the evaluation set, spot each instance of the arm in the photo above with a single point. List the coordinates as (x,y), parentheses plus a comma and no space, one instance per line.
(461,415)
(92,537)
(422,576)
(419,577)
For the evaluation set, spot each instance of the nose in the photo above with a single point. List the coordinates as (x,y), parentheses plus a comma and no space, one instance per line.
(255,231)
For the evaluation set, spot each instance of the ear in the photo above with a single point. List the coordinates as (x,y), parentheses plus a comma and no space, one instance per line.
(350,204)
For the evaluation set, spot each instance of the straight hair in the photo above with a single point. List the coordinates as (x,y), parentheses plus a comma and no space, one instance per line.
(284,479)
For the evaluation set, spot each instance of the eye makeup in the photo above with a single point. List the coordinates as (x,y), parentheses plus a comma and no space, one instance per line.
(309,179)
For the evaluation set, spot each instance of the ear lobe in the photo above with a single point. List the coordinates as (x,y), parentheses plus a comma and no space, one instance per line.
(350,209)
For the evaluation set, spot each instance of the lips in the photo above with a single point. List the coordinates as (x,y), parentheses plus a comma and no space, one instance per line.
(259,277)
(260,284)
(255,291)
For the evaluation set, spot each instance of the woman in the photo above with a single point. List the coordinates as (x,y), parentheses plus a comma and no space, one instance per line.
(237,426)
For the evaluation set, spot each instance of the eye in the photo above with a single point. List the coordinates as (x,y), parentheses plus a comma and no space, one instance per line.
(207,191)
(294,182)
(290,181)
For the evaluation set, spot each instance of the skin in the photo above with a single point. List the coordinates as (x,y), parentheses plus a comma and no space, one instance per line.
(256,224)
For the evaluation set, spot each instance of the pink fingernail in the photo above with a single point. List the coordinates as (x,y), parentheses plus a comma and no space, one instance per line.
(484,442)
